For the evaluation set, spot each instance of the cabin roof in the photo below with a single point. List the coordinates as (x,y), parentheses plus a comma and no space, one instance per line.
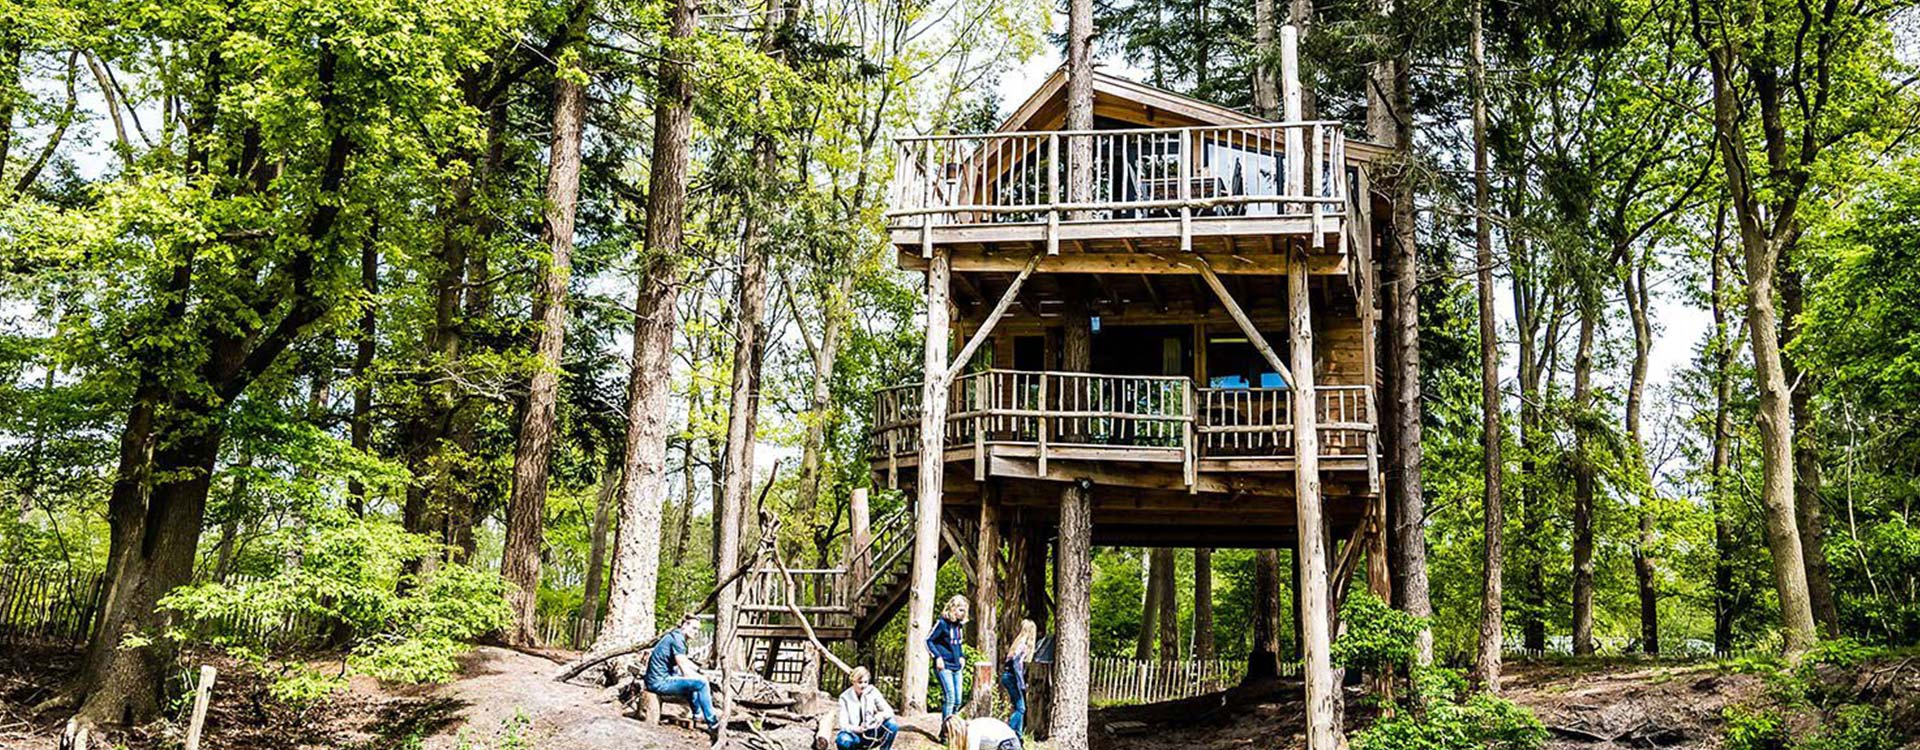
(1142,105)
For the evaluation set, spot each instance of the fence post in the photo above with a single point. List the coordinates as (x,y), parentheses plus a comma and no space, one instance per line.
(202,694)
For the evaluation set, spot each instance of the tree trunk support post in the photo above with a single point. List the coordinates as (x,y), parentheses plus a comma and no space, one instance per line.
(986,596)
(859,543)
(930,478)
(1315,622)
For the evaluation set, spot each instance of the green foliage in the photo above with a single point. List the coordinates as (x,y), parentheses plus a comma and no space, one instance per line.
(1854,727)
(352,570)
(1445,716)
(1377,636)
(1755,729)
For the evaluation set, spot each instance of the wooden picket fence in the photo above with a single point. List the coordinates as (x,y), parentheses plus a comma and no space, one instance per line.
(48,605)
(1120,680)
(570,632)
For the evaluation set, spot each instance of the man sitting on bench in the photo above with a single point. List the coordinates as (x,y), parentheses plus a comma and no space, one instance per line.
(672,674)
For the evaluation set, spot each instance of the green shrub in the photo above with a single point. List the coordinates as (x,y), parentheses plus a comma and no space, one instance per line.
(351,571)
(1445,716)
(1854,727)
(1755,729)
(1377,636)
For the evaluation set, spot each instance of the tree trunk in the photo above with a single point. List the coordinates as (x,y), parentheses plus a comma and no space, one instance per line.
(1203,603)
(1583,481)
(1150,606)
(986,595)
(636,564)
(1774,419)
(610,483)
(1263,660)
(743,417)
(126,681)
(360,429)
(1806,485)
(1073,562)
(820,412)
(1169,604)
(1406,498)
(1527,321)
(1723,542)
(1634,283)
(527,506)
(683,521)
(928,483)
(1266,84)
(1487,665)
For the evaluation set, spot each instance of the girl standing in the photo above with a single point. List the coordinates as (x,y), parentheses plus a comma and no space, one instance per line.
(1014,676)
(947,642)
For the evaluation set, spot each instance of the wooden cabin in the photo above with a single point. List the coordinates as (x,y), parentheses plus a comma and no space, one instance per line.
(1197,244)
(1181,261)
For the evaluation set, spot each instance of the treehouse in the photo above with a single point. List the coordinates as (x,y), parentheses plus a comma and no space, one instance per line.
(1177,260)
(1172,313)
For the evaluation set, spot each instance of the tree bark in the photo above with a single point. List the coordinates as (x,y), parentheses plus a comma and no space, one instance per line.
(1169,604)
(1406,498)
(1263,661)
(1763,229)
(1583,481)
(1492,643)
(1203,603)
(986,594)
(366,339)
(1806,486)
(928,484)
(593,590)
(1723,541)
(743,417)
(1150,606)
(1634,285)
(527,505)
(1073,561)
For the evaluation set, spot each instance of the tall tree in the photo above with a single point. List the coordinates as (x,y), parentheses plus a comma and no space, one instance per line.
(1492,621)
(1788,83)
(636,562)
(533,450)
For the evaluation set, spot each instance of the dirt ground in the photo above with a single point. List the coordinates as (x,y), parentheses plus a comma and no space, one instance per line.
(507,700)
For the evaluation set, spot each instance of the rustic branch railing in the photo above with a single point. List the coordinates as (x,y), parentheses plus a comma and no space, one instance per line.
(1055,410)
(1000,178)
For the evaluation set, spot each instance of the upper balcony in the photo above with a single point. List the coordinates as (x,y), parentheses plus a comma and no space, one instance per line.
(1190,188)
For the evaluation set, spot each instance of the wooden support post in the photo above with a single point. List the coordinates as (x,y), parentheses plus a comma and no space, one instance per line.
(1240,317)
(932,465)
(202,695)
(1053,194)
(1315,630)
(993,318)
(859,543)
(1073,648)
(986,596)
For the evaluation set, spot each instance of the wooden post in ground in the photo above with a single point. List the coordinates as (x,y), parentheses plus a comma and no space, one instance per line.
(986,597)
(202,695)
(1315,630)
(926,511)
(859,543)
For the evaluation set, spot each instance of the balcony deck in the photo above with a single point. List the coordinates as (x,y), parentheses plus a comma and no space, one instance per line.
(1147,432)
(1206,188)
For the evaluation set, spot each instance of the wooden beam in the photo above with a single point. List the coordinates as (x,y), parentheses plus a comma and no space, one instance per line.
(993,318)
(980,259)
(1246,325)
(1152,293)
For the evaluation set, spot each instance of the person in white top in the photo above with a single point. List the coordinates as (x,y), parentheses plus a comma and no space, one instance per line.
(866,721)
(984,733)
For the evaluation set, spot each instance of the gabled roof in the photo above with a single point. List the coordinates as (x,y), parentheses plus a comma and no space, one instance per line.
(1118,98)
(1143,105)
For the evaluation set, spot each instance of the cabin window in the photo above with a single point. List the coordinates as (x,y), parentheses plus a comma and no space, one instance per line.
(1232,362)
(1030,353)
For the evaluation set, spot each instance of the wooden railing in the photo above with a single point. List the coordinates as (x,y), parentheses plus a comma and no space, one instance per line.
(768,597)
(1237,170)
(1051,410)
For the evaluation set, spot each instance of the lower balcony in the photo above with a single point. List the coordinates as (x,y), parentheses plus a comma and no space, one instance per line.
(1159,432)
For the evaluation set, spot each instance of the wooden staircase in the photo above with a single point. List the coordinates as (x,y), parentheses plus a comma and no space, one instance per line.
(851,602)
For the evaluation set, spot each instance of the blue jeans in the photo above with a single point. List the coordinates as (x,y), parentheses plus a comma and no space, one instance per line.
(1018,698)
(878,739)
(694,689)
(949,693)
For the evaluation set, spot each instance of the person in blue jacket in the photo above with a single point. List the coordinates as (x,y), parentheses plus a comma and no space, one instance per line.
(947,642)
(1014,677)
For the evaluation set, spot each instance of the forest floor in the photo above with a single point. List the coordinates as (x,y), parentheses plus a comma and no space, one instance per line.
(507,700)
